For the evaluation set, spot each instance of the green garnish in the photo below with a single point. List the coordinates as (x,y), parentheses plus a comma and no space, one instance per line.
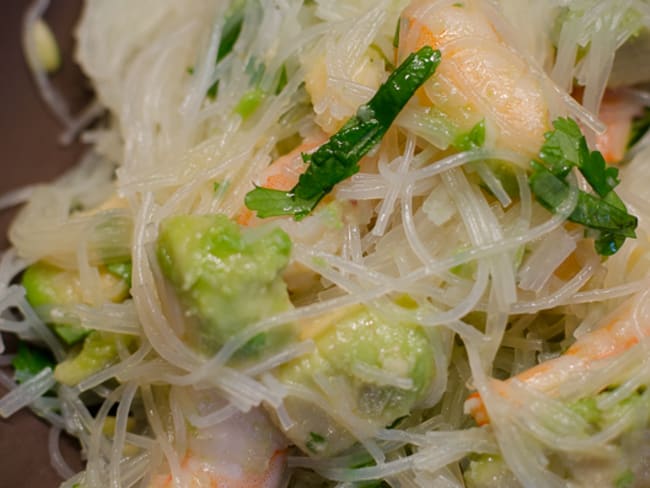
(625,480)
(122,269)
(338,158)
(603,212)
(566,147)
(473,139)
(29,361)
(640,126)
(370,483)
(71,334)
(396,36)
(249,102)
(229,35)
(389,65)
(316,442)
(283,79)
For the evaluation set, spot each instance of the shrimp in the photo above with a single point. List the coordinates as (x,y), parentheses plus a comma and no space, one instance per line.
(620,333)
(617,112)
(244,451)
(479,77)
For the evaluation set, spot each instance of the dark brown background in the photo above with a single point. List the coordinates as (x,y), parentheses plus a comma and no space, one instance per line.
(30,153)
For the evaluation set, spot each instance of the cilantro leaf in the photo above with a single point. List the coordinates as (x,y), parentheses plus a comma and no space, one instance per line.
(29,361)
(396,35)
(612,223)
(338,158)
(229,35)
(590,211)
(283,79)
(625,479)
(603,212)
(640,126)
(473,139)
(602,179)
(566,147)
(561,148)
(316,442)
(268,203)
(608,243)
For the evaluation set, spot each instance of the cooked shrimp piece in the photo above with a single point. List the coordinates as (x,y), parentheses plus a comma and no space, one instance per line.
(479,77)
(245,451)
(620,332)
(617,112)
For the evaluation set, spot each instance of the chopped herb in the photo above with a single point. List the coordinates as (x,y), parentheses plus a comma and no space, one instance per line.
(220,188)
(473,139)
(282,80)
(288,144)
(249,102)
(371,483)
(561,149)
(396,36)
(387,63)
(213,90)
(588,409)
(190,70)
(603,179)
(399,419)
(458,4)
(603,212)
(640,126)
(231,29)
(338,158)
(613,223)
(625,480)
(316,442)
(504,172)
(229,35)
(122,270)
(255,70)
(71,334)
(29,361)
(565,148)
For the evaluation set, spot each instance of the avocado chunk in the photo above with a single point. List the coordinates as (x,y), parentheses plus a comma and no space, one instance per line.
(485,471)
(382,368)
(225,277)
(99,351)
(47,285)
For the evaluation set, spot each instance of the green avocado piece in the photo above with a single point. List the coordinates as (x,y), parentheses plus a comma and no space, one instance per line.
(122,270)
(486,471)
(226,277)
(99,351)
(48,285)
(359,341)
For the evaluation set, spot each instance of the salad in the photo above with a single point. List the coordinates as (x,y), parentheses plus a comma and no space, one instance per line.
(341,243)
